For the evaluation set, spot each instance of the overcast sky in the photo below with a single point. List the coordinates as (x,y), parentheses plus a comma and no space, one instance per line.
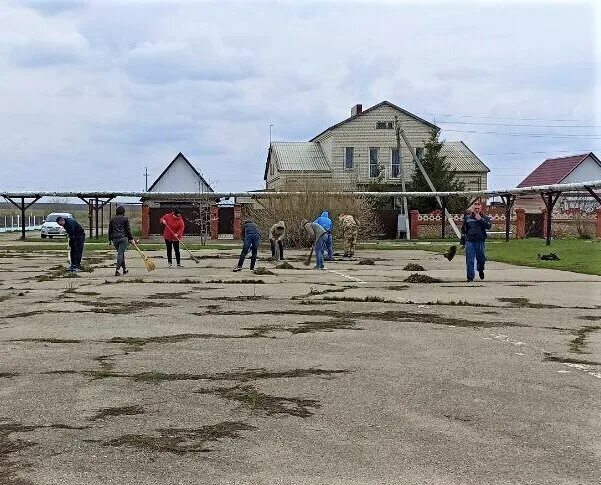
(91,92)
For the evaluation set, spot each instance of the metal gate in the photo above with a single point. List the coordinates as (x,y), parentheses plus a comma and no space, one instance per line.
(226,220)
(534,225)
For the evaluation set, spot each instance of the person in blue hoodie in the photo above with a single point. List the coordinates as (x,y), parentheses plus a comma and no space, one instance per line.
(473,236)
(324,221)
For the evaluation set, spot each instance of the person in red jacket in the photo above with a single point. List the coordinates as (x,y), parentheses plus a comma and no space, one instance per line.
(174,231)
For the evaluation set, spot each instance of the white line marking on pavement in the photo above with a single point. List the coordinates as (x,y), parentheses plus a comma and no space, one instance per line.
(346,276)
(584,368)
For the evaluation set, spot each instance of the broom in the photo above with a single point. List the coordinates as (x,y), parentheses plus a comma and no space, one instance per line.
(194,258)
(149,263)
(307,261)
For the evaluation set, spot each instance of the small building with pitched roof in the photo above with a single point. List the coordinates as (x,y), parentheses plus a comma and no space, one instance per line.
(563,170)
(179,176)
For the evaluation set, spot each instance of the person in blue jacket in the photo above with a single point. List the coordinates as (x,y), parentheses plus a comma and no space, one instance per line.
(324,221)
(251,235)
(473,236)
(77,238)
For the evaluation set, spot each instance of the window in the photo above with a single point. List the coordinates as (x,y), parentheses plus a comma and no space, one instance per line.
(419,153)
(349,157)
(384,125)
(395,163)
(374,169)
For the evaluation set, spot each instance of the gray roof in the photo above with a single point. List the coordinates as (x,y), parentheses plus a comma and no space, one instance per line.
(461,159)
(299,156)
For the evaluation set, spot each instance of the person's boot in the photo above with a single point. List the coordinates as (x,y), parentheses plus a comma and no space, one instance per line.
(481,274)
(117,273)
(237,268)
(125,271)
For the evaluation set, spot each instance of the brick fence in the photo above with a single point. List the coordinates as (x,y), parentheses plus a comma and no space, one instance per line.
(570,223)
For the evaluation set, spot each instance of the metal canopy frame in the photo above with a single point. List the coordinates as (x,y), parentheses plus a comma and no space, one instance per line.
(94,205)
(97,200)
(550,198)
(22,206)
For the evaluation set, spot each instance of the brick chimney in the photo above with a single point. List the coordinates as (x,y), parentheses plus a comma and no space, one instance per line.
(356,110)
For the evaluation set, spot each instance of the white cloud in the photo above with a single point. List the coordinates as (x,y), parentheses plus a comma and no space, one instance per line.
(106,88)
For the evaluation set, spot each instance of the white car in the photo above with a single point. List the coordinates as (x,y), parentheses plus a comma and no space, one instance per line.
(50,227)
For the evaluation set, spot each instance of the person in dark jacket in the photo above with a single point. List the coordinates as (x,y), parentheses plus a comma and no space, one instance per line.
(174,231)
(324,221)
(252,240)
(120,236)
(77,238)
(473,236)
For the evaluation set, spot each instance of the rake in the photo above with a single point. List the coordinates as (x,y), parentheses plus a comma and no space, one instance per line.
(149,263)
(194,258)
(307,261)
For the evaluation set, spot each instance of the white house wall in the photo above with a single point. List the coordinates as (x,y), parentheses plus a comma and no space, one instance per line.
(180,178)
(587,170)
(361,133)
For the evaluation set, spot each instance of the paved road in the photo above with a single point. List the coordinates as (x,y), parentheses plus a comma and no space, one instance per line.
(183,377)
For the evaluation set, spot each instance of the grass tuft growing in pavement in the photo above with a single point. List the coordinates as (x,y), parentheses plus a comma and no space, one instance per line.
(182,440)
(367,262)
(578,344)
(117,411)
(285,265)
(261,270)
(265,403)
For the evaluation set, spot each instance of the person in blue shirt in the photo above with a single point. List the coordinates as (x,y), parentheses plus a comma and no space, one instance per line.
(77,238)
(324,221)
(473,236)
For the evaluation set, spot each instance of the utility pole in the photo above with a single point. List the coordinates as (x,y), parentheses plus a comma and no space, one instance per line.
(146,178)
(397,126)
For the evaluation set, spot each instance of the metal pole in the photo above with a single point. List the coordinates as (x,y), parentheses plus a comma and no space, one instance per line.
(549,205)
(96,216)
(430,184)
(402,174)
(23,218)
(443,219)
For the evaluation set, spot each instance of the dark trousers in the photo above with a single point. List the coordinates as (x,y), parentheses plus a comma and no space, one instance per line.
(121,244)
(251,243)
(280,247)
(76,250)
(172,245)
(474,250)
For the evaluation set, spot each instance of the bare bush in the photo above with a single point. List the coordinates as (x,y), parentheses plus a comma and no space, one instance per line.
(309,204)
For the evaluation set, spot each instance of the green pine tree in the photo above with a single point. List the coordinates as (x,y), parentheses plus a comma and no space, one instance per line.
(441,176)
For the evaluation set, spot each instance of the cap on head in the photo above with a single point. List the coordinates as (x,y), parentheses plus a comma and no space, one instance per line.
(177,212)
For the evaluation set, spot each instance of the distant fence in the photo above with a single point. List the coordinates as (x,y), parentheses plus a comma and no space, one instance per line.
(13,223)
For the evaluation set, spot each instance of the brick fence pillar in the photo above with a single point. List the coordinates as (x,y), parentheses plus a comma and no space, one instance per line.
(237,230)
(520,223)
(599,223)
(214,223)
(414,224)
(145,221)
(544,211)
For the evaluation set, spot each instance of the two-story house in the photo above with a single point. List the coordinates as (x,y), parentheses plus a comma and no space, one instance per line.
(351,154)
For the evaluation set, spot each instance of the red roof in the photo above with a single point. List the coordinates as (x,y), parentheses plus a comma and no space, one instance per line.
(554,170)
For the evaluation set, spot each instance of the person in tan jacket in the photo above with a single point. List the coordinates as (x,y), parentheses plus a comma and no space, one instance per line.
(349,231)
(276,238)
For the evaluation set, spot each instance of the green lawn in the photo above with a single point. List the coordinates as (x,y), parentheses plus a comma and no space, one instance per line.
(578,255)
